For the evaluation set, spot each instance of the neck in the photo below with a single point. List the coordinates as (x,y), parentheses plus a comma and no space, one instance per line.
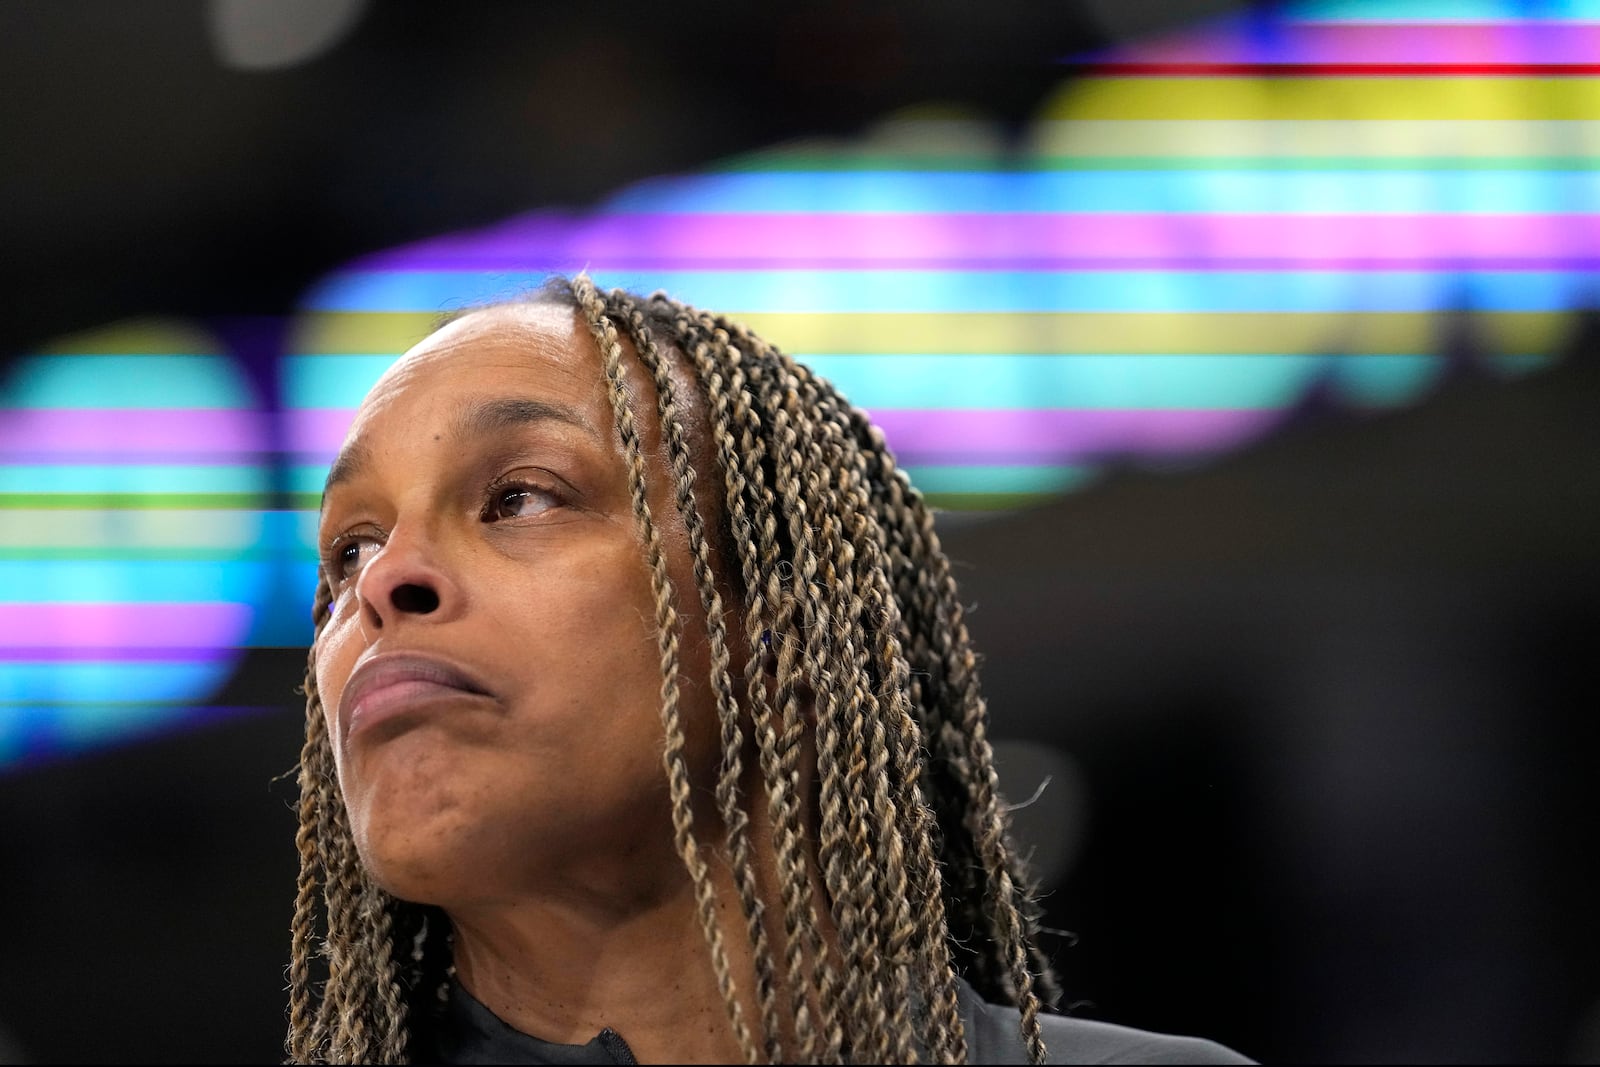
(563,967)
(562,972)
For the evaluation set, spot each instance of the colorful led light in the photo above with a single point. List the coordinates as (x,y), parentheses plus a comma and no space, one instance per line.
(130,534)
(1192,233)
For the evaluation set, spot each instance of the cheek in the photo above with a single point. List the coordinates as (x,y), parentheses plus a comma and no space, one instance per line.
(336,655)
(593,671)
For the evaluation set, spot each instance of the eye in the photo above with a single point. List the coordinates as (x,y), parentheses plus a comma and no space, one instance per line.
(347,554)
(518,500)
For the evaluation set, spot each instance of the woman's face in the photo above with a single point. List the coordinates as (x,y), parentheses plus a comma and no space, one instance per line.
(490,671)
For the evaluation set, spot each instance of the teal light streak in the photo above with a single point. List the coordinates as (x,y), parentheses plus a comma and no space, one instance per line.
(131,478)
(808,291)
(1019,382)
(111,381)
(1198,191)
(1440,10)
(100,581)
(1010,479)
(138,680)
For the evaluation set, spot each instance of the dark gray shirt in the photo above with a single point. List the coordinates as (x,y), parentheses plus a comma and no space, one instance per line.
(467,1032)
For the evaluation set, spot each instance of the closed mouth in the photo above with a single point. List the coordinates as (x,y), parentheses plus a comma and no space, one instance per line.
(394,682)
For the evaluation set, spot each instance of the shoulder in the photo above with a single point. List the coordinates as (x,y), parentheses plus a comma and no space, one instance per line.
(1069,1040)
(994,1035)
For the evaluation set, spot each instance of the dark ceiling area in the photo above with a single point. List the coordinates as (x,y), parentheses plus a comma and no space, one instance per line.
(142,175)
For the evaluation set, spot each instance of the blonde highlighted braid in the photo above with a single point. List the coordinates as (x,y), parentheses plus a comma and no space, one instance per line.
(847,591)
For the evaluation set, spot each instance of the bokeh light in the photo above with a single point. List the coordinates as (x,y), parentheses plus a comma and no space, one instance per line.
(1195,234)
(134,474)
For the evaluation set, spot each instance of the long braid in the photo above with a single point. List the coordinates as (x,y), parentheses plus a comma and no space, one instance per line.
(808,636)
(871,691)
(921,935)
(735,821)
(749,504)
(1011,908)
(804,633)
(348,954)
(360,1015)
(389,1031)
(605,335)
(957,737)
(793,379)
(306,1032)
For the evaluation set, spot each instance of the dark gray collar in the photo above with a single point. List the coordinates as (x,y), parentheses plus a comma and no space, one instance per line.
(465,1031)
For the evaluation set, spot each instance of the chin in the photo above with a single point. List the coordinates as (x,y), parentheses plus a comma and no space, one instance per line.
(425,866)
(419,839)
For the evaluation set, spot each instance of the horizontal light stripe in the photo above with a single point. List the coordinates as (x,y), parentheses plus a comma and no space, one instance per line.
(306,481)
(141,554)
(131,478)
(101,435)
(58,654)
(131,501)
(201,530)
(1155,334)
(1227,333)
(1172,192)
(129,681)
(90,581)
(1343,70)
(964,436)
(1258,153)
(932,291)
(1100,382)
(1321,142)
(1001,478)
(963,497)
(1033,437)
(139,381)
(329,381)
(1511,12)
(437,293)
(989,503)
(1233,41)
(837,160)
(988,380)
(1400,97)
(137,337)
(114,625)
(304,529)
(950,480)
(784,241)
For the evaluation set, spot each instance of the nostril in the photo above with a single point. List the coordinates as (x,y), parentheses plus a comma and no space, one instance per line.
(415,599)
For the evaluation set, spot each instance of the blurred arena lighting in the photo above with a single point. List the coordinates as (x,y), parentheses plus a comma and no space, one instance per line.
(273,34)
(1195,237)
(132,496)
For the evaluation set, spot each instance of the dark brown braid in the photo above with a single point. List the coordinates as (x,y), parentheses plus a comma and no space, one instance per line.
(851,611)
(954,717)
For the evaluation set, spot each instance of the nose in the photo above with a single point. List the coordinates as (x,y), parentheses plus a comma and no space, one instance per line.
(405,579)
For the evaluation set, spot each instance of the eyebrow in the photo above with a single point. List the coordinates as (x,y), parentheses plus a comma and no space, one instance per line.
(480,418)
(493,415)
(350,461)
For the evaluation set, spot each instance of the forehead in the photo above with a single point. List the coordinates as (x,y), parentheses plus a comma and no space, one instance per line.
(496,347)
(475,366)
(544,350)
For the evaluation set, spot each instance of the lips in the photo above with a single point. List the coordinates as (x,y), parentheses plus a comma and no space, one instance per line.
(394,683)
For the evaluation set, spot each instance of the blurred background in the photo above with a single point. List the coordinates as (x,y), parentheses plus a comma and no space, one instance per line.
(1248,350)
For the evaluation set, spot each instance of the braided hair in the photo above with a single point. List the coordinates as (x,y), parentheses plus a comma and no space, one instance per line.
(853,630)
